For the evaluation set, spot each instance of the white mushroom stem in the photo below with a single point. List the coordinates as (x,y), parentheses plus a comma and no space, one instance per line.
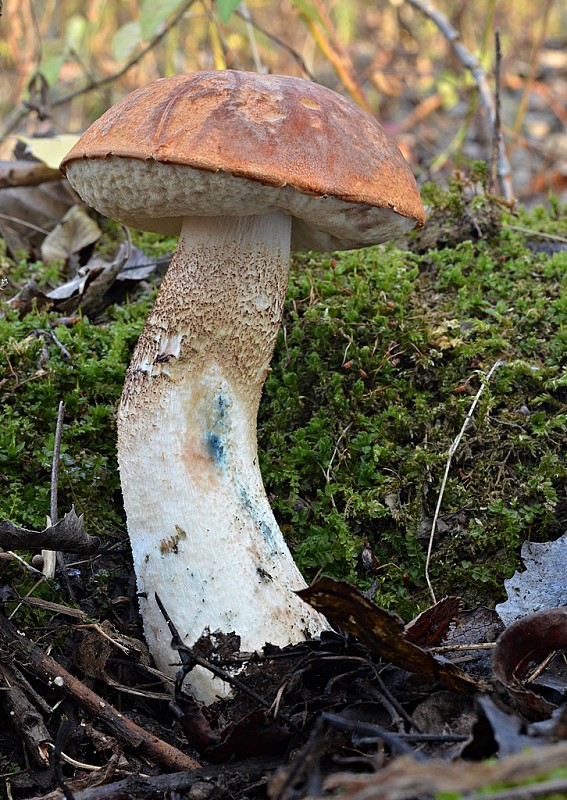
(202,532)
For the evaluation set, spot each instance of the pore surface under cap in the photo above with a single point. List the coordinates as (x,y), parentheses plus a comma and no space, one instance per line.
(156,197)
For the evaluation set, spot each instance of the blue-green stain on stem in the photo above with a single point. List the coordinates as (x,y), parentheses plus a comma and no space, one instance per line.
(215,448)
(264,528)
(215,436)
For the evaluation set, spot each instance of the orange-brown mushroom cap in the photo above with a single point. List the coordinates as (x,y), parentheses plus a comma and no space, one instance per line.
(244,143)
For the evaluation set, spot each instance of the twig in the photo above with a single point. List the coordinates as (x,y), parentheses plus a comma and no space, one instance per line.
(387,697)
(29,592)
(21,111)
(52,559)
(455,648)
(470,62)
(49,671)
(497,130)
(303,764)
(23,222)
(34,695)
(503,168)
(56,608)
(280,43)
(25,718)
(187,655)
(532,232)
(395,741)
(327,472)
(541,667)
(245,13)
(452,451)
(55,463)
(371,732)
(9,555)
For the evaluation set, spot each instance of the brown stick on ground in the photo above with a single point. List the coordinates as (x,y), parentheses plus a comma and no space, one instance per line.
(14,644)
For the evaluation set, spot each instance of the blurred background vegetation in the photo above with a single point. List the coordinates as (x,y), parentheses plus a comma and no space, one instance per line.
(64,62)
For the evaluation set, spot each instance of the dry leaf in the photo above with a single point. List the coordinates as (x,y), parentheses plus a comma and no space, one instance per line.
(383,633)
(543,584)
(525,642)
(75,231)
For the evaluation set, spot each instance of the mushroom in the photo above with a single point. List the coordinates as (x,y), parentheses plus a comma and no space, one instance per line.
(243,167)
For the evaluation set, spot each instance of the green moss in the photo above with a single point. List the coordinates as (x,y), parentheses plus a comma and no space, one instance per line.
(37,375)
(381,354)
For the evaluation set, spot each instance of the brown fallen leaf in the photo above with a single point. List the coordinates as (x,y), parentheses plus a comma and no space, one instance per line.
(431,626)
(75,231)
(383,633)
(524,642)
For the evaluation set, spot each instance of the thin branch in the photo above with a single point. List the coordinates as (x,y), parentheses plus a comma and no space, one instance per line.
(497,130)
(246,16)
(552,236)
(190,658)
(452,450)
(471,63)
(175,784)
(56,462)
(280,43)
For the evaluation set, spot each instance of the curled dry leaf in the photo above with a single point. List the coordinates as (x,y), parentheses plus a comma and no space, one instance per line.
(29,212)
(75,231)
(383,633)
(30,296)
(497,731)
(92,288)
(526,641)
